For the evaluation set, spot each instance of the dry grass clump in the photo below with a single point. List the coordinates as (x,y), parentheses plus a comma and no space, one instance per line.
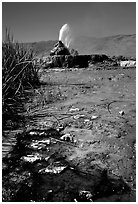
(18,74)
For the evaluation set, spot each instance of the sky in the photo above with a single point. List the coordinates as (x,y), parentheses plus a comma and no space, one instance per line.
(34,21)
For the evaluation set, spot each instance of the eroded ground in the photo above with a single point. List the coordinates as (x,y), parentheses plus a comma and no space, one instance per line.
(85,147)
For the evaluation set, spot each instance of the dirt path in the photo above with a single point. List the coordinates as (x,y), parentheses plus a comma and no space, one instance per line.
(94,111)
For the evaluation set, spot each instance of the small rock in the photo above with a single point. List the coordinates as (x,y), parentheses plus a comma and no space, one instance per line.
(121,112)
(94,117)
(31,158)
(32,133)
(67,137)
(81,145)
(50,191)
(74,109)
(78,116)
(86,196)
(114,79)
(86,120)
(42,133)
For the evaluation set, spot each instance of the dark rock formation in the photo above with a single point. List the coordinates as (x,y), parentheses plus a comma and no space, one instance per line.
(69,61)
(59,49)
(98,58)
(61,56)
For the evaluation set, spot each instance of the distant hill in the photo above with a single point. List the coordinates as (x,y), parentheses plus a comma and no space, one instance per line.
(41,48)
(113,45)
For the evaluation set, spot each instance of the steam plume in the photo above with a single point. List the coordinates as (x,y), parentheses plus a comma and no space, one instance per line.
(65,35)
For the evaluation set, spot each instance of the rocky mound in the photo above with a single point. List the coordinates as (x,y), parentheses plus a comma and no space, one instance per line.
(59,49)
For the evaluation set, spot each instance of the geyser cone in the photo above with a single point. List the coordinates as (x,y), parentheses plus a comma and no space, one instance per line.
(60,49)
(65,35)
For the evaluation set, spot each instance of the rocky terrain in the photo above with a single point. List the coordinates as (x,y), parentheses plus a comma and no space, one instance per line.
(78,143)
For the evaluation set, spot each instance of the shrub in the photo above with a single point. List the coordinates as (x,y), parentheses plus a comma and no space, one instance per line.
(18,74)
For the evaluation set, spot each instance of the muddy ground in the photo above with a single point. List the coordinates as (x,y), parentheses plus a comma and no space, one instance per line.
(79,139)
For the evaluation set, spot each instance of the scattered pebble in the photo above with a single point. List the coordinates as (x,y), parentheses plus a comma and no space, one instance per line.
(39,144)
(78,116)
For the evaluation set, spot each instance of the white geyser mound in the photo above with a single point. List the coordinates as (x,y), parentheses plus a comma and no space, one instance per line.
(65,35)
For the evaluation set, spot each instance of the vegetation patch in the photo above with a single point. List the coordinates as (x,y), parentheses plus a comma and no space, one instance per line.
(18,74)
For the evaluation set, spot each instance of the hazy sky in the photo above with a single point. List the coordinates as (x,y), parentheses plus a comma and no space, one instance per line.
(34,21)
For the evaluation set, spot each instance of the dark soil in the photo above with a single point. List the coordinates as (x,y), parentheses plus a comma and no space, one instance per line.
(79,140)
